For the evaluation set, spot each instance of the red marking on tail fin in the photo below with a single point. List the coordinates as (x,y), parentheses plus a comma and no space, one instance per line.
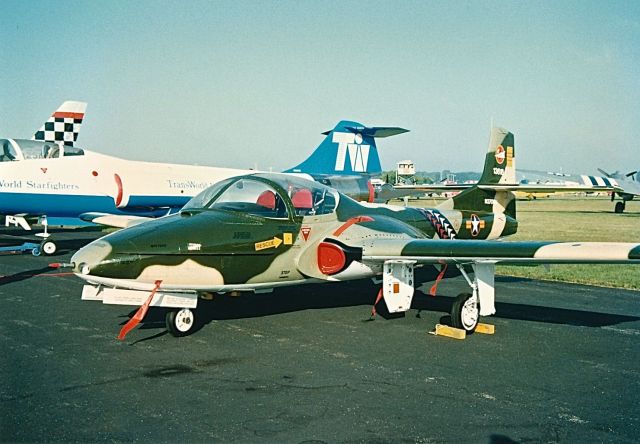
(62,115)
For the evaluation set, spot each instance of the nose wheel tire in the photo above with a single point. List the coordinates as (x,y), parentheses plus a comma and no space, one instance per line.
(48,247)
(180,322)
(465,313)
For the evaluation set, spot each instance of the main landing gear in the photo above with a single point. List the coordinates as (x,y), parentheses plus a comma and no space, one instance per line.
(180,322)
(467,308)
(619,208)
(397,290)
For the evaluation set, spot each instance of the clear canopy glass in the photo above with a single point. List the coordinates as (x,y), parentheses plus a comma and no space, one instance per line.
(257,197)
(12,150)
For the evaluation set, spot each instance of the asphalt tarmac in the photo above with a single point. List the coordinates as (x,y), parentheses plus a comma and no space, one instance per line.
(305,365)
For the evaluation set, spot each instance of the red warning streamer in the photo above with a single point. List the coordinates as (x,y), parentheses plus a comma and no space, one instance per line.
(434,288)
(373,309)
(140,314)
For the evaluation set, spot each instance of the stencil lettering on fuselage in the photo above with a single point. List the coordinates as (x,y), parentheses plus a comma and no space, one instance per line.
(358,154)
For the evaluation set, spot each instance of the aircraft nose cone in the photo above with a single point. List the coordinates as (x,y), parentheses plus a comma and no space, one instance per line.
(88,257)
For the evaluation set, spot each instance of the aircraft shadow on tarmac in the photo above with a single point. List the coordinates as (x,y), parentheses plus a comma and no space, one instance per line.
(22,275)
(363,293)
(283,300)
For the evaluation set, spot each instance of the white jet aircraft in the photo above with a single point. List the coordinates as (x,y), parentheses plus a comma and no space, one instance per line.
(49,178)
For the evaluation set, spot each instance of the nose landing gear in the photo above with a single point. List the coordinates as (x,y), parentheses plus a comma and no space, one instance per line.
(180,322)
(48,247)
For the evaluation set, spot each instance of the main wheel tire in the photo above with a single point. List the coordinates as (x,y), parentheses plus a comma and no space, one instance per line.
(465,313)
(619,207)
(48,247)
(180,322)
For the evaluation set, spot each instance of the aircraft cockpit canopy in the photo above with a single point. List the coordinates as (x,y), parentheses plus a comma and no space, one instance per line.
(248,195)
(12,150)
(308,197)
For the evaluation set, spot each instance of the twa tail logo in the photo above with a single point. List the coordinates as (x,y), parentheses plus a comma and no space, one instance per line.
(358,154)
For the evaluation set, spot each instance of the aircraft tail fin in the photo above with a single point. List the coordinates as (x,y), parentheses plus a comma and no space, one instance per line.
(64,124)
(500,161)
(349,149)
(499,170)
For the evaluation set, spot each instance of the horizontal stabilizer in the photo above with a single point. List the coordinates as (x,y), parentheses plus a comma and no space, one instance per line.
(378,131)
(374,131)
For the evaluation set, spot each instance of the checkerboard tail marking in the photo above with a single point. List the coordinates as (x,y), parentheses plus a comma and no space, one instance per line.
(64,124)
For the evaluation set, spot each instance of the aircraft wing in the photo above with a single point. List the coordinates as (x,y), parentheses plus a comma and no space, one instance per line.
(429,251)
(398,191)
(388,192)
(550,188)
(113,220)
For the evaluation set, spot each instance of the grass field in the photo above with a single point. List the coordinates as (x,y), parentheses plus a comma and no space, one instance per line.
(571,219)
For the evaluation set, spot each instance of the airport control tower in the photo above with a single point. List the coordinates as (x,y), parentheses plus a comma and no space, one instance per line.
(405,173)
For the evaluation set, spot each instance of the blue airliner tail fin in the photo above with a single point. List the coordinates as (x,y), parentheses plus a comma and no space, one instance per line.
(349,149)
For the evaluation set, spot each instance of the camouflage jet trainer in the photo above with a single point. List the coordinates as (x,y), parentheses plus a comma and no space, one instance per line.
(258,232)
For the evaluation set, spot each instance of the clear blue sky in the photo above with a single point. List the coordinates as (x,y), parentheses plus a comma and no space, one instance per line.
(245,84)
